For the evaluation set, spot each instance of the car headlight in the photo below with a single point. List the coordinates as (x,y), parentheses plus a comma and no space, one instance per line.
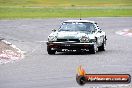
(84,39)
(52,38)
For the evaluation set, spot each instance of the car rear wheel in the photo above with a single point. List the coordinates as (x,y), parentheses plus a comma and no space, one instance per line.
(51,52)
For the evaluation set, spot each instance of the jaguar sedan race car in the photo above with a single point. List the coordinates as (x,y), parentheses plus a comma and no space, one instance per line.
(77,35)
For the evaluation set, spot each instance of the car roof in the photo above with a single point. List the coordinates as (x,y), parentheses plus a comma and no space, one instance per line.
(80,21)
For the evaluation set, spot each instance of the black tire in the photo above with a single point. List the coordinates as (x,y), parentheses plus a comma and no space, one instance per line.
(92,50)
(51,52)
(81,80)
(102,47)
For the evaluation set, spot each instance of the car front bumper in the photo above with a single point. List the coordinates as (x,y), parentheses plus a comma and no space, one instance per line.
(69,46)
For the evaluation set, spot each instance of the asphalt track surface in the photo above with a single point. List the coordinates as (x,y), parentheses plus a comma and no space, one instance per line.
(40,70)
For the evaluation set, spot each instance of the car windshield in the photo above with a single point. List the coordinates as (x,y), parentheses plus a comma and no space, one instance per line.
(79,26)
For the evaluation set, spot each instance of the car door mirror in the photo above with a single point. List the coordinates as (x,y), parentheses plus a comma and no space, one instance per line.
(53,30)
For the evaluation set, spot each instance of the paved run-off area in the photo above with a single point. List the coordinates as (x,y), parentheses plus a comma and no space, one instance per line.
(40,70)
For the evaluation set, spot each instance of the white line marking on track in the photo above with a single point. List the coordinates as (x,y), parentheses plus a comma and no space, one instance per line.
(41,41)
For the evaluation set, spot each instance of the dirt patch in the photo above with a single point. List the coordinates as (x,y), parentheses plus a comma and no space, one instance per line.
(9,52)
(125,32)
(130,31)
(4,46)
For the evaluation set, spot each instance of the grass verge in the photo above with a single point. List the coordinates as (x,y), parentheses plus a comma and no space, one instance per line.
(23,12)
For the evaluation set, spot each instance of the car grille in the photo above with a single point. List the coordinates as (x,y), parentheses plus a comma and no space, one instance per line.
(65,40)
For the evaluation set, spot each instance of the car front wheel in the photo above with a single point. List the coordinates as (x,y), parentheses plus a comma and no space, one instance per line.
(102,47)
(93,49)
(51,52)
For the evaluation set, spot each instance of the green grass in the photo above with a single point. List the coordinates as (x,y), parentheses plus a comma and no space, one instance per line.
(65,3)
(61,12)
(12,9)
